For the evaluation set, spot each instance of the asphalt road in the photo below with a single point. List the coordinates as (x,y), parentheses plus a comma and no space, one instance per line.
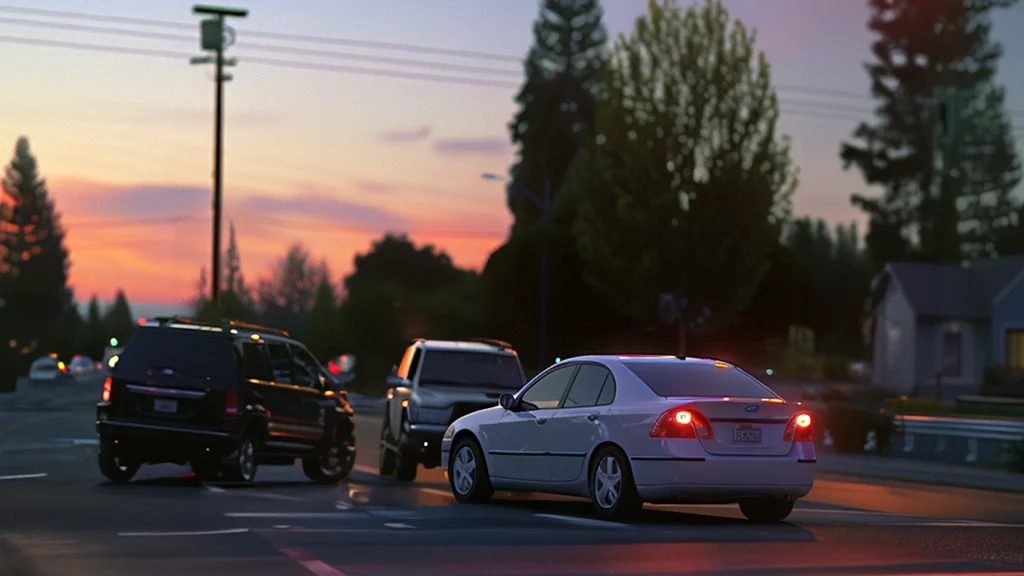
(58,517)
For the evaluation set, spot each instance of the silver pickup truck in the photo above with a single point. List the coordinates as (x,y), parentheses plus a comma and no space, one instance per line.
(436,383)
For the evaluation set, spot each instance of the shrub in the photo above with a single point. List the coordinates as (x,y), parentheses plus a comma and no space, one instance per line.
(1015,462)
(999,381)
(850,423)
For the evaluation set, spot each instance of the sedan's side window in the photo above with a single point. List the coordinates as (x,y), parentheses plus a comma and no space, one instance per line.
(548,391)
(607,395)
(586,386)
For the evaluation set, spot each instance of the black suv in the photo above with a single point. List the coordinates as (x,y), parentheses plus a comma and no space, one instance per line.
(223,399)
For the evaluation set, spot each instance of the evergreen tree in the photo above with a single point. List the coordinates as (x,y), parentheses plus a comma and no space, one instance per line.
(322,334)
(556,103)
(941,145)
(120,323)
(39,304)
(97,334)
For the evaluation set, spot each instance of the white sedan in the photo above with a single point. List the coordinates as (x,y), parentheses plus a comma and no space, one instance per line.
(625,430)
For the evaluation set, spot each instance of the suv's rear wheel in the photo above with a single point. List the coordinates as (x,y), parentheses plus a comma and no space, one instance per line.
(243,465)
(115,468)
(335,464)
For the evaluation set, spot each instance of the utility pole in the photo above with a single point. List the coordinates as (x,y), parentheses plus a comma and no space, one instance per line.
(215,37)
(945,222)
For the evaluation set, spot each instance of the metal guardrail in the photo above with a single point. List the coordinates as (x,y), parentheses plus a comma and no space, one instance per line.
(974,430)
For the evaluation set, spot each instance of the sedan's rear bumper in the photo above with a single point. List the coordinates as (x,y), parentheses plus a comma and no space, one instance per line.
(721,479)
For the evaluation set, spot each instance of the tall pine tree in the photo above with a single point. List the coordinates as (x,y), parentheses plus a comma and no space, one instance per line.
(97,332)
(941,145)
(120,323)
(39,304)
(556,101)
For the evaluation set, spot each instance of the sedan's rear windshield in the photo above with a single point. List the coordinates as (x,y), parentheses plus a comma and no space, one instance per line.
(190,353)
(677,379)
(476,369)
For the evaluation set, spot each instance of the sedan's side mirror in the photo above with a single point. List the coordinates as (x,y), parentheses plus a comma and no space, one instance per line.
(506,401)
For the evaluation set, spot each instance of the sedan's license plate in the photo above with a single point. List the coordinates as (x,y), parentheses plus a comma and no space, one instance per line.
(747,435)
(166,406)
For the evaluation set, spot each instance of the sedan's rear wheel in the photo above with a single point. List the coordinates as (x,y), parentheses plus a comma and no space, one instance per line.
(766,510)
(611,485)
(467,473)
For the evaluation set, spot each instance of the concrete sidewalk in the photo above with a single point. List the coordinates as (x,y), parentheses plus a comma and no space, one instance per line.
(890,468)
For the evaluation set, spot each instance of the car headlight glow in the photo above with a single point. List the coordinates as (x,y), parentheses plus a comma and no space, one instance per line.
(449,433)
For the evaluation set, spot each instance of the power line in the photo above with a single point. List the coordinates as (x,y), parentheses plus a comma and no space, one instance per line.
(264,47)
(395,46)
(122,223)
(326,226)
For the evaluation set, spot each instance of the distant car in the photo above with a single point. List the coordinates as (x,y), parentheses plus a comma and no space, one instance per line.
(47,368)
(224,399)
(82,366)
(437,382)
(625,430)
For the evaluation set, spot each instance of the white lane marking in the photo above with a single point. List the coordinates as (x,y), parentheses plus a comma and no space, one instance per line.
(281,526)
(269,495)
(583,521)
(214,489)
(398,525)
(202,533)
(24,476)
(310,515)
(953,524)
(436,492)
(319,568)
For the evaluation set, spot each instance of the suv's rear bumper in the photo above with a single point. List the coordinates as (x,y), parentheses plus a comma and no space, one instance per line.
(154,443)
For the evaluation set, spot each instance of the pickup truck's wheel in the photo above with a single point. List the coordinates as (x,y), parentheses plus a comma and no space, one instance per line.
(335,464)
(386,456)
(406,461)
(114,468)
(205,469)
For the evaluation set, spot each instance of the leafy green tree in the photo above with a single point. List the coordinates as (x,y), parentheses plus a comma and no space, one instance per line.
(933,78)
(119,321)
(556,102)
(39,304)
(688,182)
(287,296)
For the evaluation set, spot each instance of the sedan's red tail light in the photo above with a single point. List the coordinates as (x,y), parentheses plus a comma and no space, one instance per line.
(800,428)
(108,385)
(231,402)
(682,422)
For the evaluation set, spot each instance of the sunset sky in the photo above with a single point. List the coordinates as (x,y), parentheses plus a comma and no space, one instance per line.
(332,156)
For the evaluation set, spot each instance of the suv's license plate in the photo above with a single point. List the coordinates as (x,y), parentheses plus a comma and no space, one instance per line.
(167,406)
(747,435)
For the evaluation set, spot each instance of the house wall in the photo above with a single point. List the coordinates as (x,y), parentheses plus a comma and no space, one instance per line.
(974,352)
(1007,314)
(894,353)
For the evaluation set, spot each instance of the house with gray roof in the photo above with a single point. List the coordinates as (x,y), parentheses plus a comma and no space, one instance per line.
(943,324)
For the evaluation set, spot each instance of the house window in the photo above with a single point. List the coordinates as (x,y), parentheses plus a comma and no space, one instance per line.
(1015,349)
(951,353)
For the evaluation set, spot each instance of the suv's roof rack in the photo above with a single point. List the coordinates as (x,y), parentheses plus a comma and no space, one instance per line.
(492,342)
(256,328)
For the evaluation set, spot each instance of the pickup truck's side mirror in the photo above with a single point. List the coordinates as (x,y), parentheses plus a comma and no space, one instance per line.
(506,401)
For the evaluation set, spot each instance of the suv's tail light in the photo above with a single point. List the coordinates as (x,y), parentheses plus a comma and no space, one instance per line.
(108,385)
(231,402)
(682,422)
(800,428)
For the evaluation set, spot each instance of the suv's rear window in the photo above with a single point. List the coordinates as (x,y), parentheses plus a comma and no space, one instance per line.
(455,368)
(677,379)
(191,353)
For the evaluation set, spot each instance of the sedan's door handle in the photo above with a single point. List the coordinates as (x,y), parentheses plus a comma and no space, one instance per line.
(541,420)
(592,417)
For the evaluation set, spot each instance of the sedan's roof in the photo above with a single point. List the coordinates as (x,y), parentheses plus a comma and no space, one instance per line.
(645,358)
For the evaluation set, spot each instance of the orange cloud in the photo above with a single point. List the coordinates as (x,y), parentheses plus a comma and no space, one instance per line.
(151,240)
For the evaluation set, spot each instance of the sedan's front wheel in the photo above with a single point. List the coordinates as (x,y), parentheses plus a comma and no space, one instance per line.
(611,485)
(467,472)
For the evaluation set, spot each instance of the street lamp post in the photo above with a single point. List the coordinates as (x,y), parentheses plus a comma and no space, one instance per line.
(545,210)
